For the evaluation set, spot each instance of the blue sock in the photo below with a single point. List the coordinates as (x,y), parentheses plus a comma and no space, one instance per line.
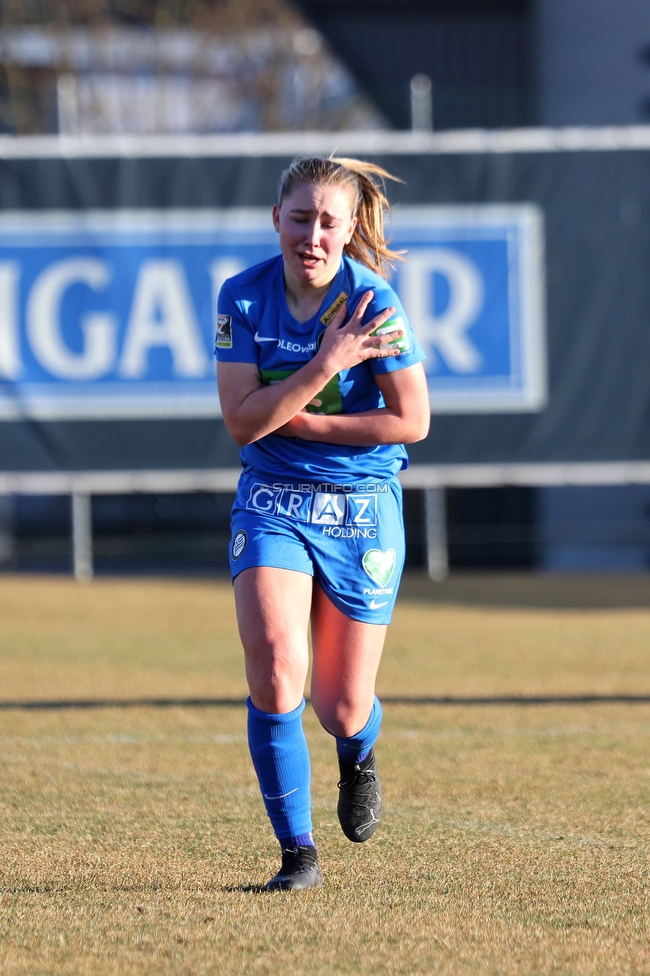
(355,748)
(279,752)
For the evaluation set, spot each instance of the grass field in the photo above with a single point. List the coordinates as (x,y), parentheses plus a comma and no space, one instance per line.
(515,837)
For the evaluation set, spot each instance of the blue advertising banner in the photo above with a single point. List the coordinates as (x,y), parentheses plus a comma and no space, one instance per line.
(473,290)
(112,314)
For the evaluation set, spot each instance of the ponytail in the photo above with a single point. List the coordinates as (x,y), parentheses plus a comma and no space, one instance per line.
(369,245)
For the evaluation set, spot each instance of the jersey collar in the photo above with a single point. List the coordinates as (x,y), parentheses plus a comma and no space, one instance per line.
(335,291)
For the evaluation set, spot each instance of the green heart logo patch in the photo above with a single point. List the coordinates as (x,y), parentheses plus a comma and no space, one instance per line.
(379,565)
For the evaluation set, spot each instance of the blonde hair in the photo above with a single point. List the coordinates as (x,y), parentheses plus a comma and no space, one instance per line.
(369,246)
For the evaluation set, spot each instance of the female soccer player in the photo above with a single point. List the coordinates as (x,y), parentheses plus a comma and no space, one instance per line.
(322,400)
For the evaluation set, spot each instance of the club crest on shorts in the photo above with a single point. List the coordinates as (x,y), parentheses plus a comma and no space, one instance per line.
(224,332)
(239,543)
(379,565)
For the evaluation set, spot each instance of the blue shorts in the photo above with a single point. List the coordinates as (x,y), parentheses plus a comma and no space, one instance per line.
(349,537)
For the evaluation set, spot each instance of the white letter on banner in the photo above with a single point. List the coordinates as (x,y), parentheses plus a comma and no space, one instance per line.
(446,332)
(162,315)
(44,327)
(10,364)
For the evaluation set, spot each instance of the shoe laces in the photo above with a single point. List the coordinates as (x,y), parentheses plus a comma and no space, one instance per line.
(361,781)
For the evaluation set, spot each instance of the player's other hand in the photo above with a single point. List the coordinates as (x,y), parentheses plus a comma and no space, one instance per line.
(348,343)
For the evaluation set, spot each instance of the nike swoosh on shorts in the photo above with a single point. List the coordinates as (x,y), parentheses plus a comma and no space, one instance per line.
(376,606)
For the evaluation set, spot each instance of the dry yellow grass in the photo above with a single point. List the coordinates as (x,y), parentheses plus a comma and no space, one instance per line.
(515,838)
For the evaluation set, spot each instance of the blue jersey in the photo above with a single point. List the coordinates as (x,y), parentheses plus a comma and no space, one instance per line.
(254,325)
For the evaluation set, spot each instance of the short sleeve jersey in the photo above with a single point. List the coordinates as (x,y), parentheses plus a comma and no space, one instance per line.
(254,325)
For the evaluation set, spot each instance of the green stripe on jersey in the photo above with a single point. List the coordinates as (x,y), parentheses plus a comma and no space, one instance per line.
(328,401)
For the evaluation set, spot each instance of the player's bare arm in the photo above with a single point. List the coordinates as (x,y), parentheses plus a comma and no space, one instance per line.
(404,420)
(251,410)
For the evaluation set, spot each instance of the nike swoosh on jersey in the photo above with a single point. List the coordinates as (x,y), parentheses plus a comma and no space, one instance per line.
(375,606)
(258,338)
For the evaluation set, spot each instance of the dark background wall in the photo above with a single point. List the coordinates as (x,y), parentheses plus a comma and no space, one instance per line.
(477,54)
(497,63)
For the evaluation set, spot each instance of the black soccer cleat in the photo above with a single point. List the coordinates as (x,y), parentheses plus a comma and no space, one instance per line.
(299,870)
(359,805)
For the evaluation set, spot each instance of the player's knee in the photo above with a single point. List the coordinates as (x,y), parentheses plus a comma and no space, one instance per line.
(275,702)
(276,680)
(341,718)
(276,696)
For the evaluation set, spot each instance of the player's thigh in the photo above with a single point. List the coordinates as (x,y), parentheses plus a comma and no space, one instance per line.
(358,555)
(273,607)
(347,653)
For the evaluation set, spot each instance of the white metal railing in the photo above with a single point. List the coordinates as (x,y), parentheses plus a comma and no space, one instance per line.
(380,141)
(431,478)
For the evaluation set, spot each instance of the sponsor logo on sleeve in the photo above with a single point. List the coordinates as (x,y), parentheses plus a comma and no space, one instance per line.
(396,324)
(224,332)
(239,543)
(327,316)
